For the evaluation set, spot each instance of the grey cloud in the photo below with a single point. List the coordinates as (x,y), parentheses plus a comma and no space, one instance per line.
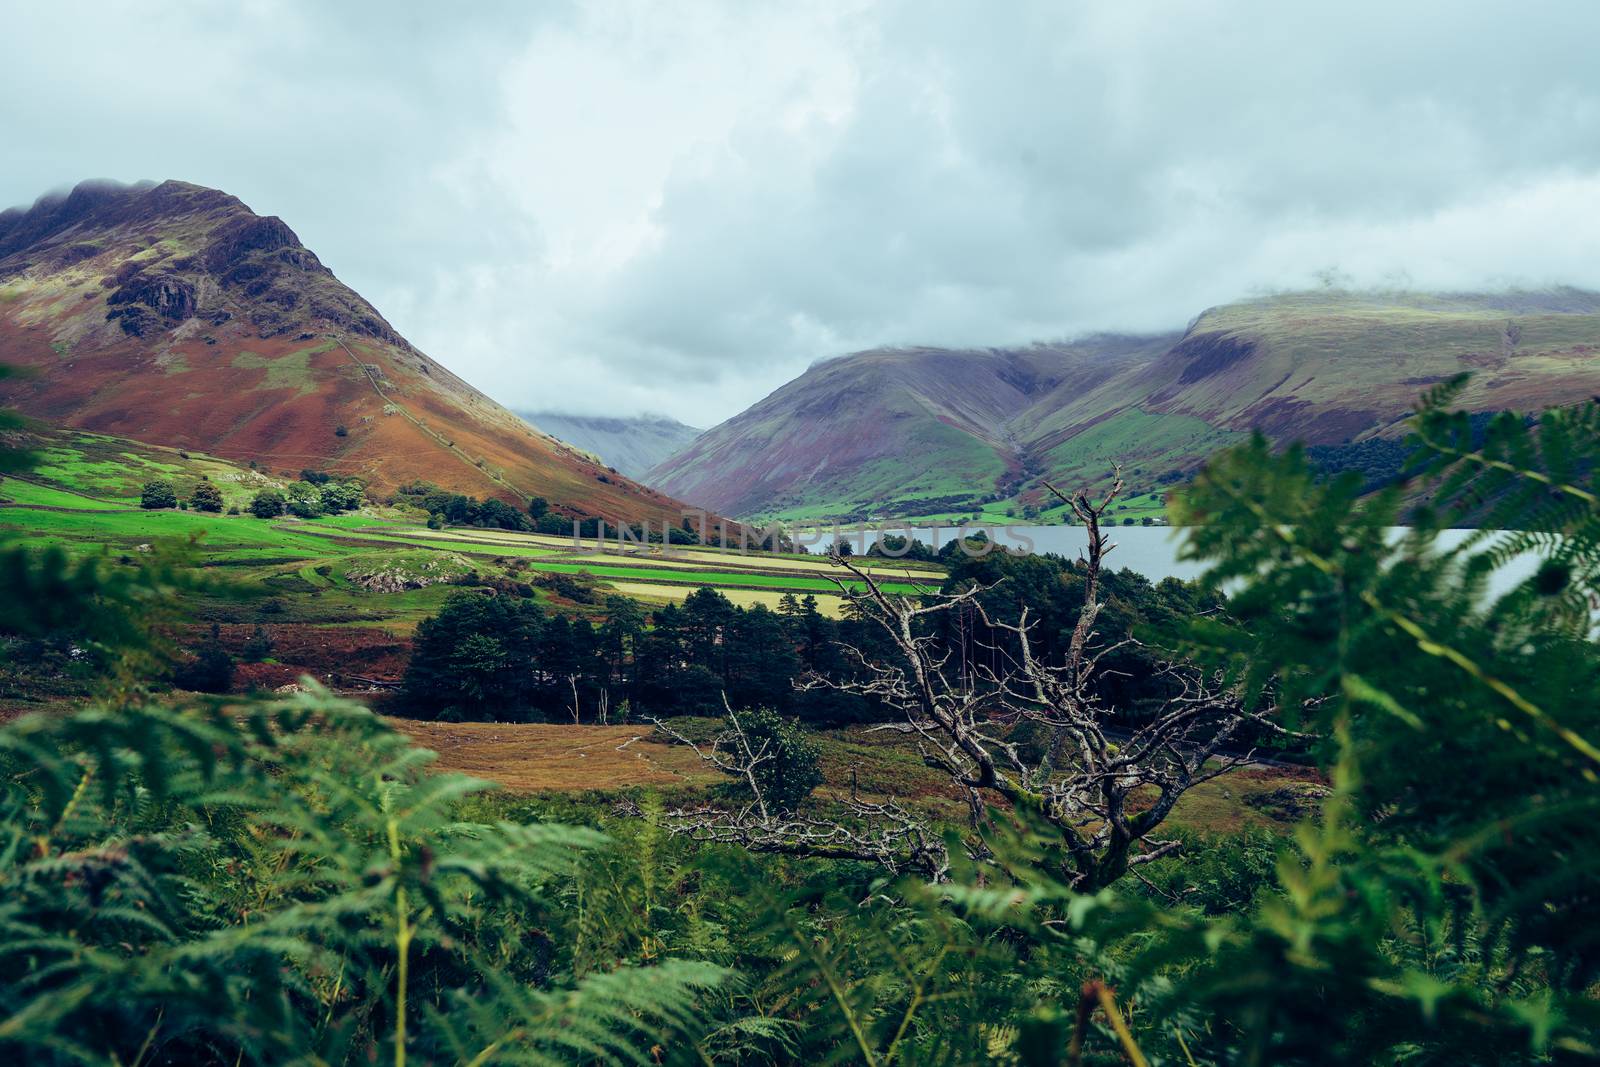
(631,206)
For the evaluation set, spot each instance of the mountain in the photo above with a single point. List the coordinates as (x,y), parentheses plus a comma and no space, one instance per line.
(174,314)
(631,445)
(915,432)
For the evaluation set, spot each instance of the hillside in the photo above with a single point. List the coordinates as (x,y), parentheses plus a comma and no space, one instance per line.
(174,314)
(921,424)
(932,432)
(631,445)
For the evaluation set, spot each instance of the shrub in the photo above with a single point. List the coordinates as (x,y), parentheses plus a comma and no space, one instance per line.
(206,497)
(211,669)
(341,431)
(787,764)
(158,494)
(267,504)
(217,897)
(258,647)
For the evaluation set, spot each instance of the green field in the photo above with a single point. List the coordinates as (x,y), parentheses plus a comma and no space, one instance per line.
(84,498)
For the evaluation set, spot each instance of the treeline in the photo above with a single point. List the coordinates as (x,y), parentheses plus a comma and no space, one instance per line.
(445,508)
(501,656)
(1382,461)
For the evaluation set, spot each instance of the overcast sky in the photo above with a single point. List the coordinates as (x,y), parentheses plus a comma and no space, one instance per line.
(678,206)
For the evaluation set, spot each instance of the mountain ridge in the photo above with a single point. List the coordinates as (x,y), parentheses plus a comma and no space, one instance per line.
(954,430)
(632,444)
(174,314)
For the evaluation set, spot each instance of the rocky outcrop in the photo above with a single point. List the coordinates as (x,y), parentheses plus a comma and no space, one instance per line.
(1204,354)
(415,571)
(144,299)
(236,240)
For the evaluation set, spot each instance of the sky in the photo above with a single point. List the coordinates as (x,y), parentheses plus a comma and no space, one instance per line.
(615,208)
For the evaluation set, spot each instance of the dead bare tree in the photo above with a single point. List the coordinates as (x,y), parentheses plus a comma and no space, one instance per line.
(1106,790)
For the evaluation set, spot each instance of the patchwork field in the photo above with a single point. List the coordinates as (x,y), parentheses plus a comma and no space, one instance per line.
(364,580)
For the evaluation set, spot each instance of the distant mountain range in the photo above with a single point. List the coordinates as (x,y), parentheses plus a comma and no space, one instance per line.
(174,314)
(632,445)
(912,432)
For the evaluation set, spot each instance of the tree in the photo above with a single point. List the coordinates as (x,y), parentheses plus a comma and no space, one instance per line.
(497,513)
(210,670)
(267,504)
(769,755)
(338,497)
(761,663)
(895,546)
(158,494)
(1103,795)
(304,500)
(538,507)
(206,497)
(478,656)
(619,638)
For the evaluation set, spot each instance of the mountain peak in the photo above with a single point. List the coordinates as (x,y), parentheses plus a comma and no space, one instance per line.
(174,314)
(178,251)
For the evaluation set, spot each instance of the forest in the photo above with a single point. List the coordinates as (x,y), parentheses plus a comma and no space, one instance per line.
(285,878)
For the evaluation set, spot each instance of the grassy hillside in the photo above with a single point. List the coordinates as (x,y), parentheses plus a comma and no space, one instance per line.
(938,434)
(918,429)
(84,496)
(174,314)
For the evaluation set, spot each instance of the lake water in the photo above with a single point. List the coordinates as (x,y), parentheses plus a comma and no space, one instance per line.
(1148,550)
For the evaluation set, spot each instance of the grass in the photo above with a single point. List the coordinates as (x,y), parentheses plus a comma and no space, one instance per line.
(289,371)
(95,480)
(827,604)
(529,757)
(559,758)
(14,491)
(116,469)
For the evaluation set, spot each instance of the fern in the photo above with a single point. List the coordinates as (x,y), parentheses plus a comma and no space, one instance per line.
(212,883)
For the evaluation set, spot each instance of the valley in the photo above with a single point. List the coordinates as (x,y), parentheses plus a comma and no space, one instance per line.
(632,445)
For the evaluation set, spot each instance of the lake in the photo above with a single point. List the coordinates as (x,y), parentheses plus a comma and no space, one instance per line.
(1148,550)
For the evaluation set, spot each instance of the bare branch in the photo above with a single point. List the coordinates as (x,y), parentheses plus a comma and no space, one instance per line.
(1104,787)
